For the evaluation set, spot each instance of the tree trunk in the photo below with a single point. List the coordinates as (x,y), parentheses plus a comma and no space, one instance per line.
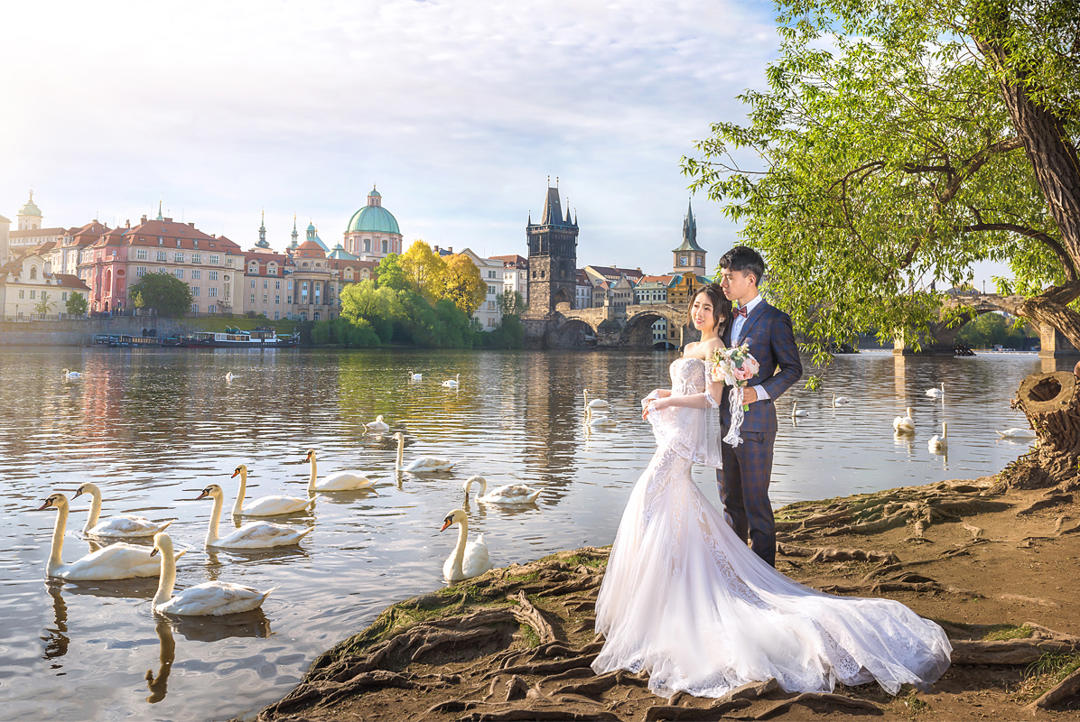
(1051,403)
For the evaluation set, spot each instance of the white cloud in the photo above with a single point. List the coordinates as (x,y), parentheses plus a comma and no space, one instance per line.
(458,110)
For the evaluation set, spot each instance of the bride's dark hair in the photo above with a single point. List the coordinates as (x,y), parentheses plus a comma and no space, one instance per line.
(721,306)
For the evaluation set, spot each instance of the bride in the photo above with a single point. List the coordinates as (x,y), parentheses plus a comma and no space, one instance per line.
(687,601)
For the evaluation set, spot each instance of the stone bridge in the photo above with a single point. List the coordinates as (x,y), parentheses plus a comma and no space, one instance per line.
(973,305)
(606,327)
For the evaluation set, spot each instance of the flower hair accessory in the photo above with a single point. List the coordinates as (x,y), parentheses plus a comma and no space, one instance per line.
(735,367)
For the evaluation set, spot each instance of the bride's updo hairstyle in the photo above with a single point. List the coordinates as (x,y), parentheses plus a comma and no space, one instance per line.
(721,306)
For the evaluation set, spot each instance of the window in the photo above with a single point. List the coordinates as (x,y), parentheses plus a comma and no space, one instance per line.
(491,305)
(140,271)
(253,299)
(212,275)
(491,274)
(213,308)
(195,308)
(141,254)
(195,291)
(212,291)
(215,260)
(277,285)
(277,315)
(384,246)
(265,283)
(195,257)
(179,273)
(253,283)
(178,257)
(264,299)
(63,296)
(367,245)
(228,261)
(21,293)
(491,322)
(196,274)
(162,256)
(277,300)
(161,240)
(177,242)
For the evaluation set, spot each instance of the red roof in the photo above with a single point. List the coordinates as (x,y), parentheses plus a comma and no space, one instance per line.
(656,279)
(613,272)
(310,249)
(511,261)
(69,281)
(173,235)
(37,232)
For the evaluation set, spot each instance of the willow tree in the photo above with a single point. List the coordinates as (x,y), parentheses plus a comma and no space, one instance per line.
(897,142)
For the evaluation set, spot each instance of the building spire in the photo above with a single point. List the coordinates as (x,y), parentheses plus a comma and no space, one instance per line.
(295,235)
(159,216)
(262,230)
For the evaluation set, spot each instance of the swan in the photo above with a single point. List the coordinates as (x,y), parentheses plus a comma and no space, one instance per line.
(1017,433)
(796,411)
(125,526)
(377,426)
(253,535)
(904,424)
(452,383)
(116,561)
(415,376)
(265,505)
(228,377)
(207,599)
(939,444)
(468,560)
(505,495)
(421,465)
(840,400)
(595,403)
(338,481)
(937,393)
(68,374)
(598,421)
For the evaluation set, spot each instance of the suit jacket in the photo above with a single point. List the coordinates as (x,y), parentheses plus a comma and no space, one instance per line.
(768,331)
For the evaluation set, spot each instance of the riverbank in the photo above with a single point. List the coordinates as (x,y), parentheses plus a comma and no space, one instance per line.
(998,572)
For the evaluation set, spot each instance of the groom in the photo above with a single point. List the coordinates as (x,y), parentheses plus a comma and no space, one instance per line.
(744,480)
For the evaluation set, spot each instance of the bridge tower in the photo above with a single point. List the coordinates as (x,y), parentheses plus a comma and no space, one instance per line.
(552,256)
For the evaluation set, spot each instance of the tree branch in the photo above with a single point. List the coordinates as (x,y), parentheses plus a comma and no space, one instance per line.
(1049,241)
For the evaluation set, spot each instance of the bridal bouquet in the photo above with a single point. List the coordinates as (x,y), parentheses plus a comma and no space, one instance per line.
(735,367)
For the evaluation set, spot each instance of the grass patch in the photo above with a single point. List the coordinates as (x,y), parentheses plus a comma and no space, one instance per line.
(1004,632)
(529,635)
(575,559)
(1046,672)
(220,323)
(913,706)
(523,578)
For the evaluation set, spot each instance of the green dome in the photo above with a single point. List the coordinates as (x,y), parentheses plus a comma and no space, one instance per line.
(30,209)
(374,219)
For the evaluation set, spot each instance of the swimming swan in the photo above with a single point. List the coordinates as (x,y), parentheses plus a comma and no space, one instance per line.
(937,393)
(469,559)
(507,495)
(939,444)
(904,424)
(123,526)
(116,561)
(452,383)
(421,465)
(377,426)
(253,535)
(338,481)
(274,505)
(595,403)
(207,599)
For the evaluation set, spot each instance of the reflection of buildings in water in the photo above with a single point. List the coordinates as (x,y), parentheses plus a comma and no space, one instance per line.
(550,416)
(900,377)
(159,684)
(56,638)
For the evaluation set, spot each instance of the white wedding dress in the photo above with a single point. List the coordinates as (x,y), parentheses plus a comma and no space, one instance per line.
(687,601)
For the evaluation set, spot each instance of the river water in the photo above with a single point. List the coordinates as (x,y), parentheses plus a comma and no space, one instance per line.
(153,427)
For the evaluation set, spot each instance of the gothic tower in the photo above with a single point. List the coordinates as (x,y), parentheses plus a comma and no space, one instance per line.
(552,256)
(689,257)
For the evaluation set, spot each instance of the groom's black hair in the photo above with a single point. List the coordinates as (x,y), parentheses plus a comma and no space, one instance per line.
(744,258)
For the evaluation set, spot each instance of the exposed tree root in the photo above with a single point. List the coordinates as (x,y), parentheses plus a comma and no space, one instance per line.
(1065,692)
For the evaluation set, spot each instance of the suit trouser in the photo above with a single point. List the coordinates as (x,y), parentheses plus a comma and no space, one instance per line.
(744,490)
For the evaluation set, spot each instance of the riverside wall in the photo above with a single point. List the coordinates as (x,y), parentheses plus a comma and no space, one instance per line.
(81,332)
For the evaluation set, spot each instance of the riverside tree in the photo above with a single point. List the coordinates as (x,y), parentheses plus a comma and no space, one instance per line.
(462,284)
(389,272)
(44,305)
(162,292)
(896,143)
(423,269)
(76,304)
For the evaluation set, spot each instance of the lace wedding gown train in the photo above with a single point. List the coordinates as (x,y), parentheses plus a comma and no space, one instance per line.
(687,601)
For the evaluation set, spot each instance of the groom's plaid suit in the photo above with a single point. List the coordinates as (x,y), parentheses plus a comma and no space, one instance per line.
(744,480)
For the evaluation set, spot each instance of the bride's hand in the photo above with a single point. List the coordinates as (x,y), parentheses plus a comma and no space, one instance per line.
(661,393)
(654,406)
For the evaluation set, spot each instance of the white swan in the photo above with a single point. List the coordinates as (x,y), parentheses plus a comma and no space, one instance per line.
(415,376)
(121,526)
(116,561)
(452,383)
(469,559)
(937,393)
(377,426)
(796,411)
(68,374)
(840,400)
(209,598)
(229,377)
(420,465)
(338,481)
(253,535)
(904,424)
(507,495)
(274,505)
(939,444)
(595,403)
(1017,433)
(598,421)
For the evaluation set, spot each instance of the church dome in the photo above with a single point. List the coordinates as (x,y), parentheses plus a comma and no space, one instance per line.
(373,218)
(30,209)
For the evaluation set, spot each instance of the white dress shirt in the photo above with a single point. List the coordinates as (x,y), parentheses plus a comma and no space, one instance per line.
(736,336)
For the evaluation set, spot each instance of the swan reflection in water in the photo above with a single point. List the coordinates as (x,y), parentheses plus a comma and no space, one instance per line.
(56,638)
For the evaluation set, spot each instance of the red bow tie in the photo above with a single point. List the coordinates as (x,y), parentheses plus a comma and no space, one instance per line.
(741,311)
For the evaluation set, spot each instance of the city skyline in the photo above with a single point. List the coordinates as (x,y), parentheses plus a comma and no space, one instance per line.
(456,111)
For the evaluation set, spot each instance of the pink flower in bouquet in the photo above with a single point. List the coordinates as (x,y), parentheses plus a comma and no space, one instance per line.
(744,372)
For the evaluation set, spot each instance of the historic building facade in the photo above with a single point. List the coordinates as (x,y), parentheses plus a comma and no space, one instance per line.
(28,287)
(29,233)
(689,257)
(373,231)
(552,257)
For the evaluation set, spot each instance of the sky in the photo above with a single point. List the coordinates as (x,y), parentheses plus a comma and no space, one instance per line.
(459,111)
